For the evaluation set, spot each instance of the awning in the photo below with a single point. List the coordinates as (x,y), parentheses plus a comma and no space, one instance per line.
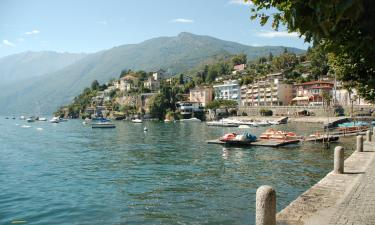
(304,98)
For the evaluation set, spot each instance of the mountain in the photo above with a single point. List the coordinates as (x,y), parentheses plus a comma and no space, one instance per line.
(173,54)
(33,64)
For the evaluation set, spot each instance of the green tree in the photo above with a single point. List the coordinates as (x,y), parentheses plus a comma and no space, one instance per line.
(239,59)
(95,85)
(345,27)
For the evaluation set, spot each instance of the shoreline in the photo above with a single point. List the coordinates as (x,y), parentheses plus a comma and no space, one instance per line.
(320,203)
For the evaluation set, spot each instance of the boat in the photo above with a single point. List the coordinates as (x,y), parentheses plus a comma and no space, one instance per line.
(273,122)
(55,120)
(22,118)
(193,119)
(137,121)
(353,126)
(238,139)
(42,119)
(145,129)
(167,121)
(103,125)
(30,119)
(279,135)
(221,123)
(243,126)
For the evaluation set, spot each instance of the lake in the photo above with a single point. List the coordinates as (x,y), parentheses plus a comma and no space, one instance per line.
(68,173)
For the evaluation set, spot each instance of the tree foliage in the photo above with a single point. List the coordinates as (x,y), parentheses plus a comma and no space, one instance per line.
(345,28)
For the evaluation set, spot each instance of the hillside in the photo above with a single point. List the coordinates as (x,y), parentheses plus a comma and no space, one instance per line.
(173,54)
(33,64)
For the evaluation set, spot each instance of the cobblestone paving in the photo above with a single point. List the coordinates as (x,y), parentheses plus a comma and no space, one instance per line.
(358,208)
(338,199)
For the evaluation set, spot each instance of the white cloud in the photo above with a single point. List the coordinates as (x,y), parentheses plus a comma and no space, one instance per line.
(102,22)
(32,32)
(240,2)
(8,43)
(182,20)
(276,34)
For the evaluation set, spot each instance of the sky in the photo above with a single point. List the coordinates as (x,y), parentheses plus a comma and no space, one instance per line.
(91,25)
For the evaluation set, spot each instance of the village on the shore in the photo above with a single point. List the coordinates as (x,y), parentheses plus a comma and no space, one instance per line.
(287,88)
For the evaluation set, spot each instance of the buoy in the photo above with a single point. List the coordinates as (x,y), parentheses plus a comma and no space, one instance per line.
(145,129)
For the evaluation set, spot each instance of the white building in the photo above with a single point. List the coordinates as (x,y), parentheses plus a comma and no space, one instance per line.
(188,108)
(270,90)
(230,90)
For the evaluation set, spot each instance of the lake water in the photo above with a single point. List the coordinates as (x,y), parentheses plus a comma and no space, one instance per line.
(68,173)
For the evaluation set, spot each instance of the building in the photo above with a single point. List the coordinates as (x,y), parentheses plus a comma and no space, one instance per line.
(159,75)
(188,108)
(345,98)
(203,95)
(313,93)
(267,91)
(239,68)
(125,83)
(230,90)
(152,84)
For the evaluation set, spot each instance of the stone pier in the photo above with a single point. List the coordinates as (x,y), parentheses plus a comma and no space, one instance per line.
(338,199)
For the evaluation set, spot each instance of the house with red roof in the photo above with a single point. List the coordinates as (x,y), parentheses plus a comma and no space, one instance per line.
(312,93)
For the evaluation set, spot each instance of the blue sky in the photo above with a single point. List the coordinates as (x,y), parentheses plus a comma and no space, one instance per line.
(93,25)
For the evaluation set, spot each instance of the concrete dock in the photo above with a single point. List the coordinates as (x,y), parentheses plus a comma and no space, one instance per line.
(344,199)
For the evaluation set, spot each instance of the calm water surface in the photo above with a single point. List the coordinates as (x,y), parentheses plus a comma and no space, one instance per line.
(68,173)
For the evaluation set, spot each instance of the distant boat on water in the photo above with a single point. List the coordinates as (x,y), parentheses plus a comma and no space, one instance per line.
(193,119)
(137,121)
(42,119)
(55,120)
(103,125)
(30,119)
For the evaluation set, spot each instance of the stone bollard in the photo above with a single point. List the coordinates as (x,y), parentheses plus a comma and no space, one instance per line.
(368,136)
(265,213)
(359,143)
(338,163)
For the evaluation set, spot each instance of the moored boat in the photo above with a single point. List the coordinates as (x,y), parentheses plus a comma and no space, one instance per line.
(103,125)
(55,120)
(279,135)
(42,119)
(137,121)
(238,139)
(30,119)
(193,119)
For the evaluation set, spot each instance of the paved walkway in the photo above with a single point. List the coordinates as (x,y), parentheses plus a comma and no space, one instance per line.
(359,205)
(338,199)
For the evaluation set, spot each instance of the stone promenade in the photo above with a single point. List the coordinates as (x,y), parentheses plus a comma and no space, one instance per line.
(338,199)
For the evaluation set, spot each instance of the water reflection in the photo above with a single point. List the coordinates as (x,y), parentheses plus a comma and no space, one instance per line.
(71,174)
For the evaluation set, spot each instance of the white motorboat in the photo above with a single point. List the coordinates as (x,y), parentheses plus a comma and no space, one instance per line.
(243,126)
(193,119)
(30,119)
(273,122)
(137,121)
(221,123)
(22,117)
(42,119)
(55,120)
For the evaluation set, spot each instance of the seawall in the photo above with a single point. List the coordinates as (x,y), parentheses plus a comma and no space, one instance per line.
(347,198)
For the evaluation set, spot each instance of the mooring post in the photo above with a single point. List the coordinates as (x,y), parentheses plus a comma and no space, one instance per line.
(368,136)
(359,143)
(338,163)
(373,134)
(265,213)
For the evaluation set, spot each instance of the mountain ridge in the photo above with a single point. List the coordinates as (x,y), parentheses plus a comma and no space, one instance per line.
(174,54)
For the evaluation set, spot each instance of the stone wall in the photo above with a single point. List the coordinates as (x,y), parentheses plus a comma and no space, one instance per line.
(312,110)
